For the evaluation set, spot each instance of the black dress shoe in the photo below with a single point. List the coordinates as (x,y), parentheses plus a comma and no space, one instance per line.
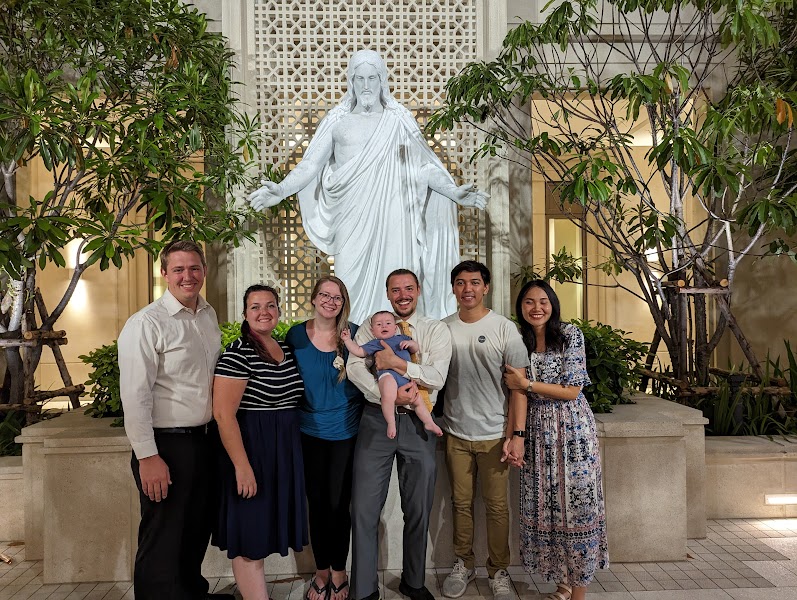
(374,596)
(421,593)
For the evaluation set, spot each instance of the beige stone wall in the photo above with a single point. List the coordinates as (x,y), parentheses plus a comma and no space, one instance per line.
(765,304)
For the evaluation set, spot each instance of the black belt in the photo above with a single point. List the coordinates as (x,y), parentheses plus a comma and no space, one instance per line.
(201,429)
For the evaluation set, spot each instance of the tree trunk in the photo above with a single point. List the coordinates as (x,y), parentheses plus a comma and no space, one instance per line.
(702,354)
(32,355)
(675,348)
(16,379)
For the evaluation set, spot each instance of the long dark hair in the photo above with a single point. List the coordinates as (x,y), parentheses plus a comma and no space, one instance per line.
(554,337)
(246,331)
(342,320)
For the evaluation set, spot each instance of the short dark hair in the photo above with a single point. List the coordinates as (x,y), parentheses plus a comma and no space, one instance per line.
(382,312)
(471,266)
(181,246)
(398,272)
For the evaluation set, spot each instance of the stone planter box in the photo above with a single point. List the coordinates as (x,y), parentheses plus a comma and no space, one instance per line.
(653,457)
(740,471)
(32,439)
(88,529)
(82,508)
(84,504)
(12,525)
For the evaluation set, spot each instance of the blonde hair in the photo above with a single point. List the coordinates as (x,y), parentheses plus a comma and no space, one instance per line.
(342,320)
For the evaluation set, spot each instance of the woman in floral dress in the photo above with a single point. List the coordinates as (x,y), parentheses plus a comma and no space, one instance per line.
(563,521)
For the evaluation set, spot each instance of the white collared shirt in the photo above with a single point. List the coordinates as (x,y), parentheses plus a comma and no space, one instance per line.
(434,340)
(167,353)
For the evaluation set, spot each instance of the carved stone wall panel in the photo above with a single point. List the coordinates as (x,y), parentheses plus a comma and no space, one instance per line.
(301,51)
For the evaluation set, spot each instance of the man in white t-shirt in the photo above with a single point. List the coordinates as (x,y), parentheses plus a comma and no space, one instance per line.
(480,428)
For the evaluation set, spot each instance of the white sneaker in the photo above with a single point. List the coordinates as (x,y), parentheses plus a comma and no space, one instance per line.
(501,586)
(457,582)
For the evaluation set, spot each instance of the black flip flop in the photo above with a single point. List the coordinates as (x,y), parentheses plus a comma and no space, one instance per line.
(337,589)
(321,591)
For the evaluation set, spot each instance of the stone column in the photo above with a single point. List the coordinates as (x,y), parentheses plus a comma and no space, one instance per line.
(494,172)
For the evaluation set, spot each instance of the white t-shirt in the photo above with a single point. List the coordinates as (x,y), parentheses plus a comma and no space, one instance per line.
(475,398)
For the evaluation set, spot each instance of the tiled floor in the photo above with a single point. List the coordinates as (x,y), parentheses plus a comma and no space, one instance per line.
(741,559)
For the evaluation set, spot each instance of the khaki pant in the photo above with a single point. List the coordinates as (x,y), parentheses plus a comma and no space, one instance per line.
(466,460)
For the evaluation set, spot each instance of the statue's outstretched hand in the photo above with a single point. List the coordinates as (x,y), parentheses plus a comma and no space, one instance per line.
(467,195)
(265,197)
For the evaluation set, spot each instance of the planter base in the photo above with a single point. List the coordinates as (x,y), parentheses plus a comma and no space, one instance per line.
(740,471)
(82,508)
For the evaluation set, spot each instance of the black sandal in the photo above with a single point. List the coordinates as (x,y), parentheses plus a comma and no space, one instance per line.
(321,591)
(334,589)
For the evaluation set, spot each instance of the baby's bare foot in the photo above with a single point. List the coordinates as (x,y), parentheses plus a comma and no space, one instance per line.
(434,429)
(391,431)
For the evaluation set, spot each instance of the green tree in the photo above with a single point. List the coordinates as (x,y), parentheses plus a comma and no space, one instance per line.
(130,106)
(566,97)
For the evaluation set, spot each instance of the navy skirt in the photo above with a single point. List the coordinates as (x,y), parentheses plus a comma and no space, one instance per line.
(275,518)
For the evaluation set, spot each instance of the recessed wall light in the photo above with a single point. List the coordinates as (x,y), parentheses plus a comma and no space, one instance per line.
(780,498)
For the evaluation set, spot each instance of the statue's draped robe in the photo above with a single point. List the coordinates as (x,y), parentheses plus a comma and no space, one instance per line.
(376,214)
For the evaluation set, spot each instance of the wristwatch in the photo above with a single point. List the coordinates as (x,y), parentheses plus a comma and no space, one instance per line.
(519,433)
(530,388)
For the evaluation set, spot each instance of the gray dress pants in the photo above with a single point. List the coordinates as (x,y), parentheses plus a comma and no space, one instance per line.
(414,449)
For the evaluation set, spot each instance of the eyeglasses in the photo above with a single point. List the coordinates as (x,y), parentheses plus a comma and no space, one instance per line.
(326,298)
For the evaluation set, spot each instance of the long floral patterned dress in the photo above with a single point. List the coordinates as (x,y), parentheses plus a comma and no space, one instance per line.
(563,521)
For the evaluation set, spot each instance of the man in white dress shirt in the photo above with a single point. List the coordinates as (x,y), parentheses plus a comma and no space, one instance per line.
(413,446)
(167,353)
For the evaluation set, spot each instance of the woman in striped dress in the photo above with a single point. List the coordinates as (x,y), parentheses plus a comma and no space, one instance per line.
(256,393)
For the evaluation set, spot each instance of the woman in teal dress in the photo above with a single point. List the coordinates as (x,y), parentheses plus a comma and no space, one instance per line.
(328,421)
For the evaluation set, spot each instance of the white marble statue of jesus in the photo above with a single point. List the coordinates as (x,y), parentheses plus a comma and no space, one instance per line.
(376,197)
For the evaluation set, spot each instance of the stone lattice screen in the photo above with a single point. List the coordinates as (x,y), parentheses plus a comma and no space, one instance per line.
(301,53)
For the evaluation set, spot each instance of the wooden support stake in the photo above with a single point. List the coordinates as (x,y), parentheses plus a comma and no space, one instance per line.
(776,381)
(709,290)
(661,377)
(43,335)
(707,391)
(74,397)
(32,343)
(18,343)
(31,408)
(680,283)
(65,391)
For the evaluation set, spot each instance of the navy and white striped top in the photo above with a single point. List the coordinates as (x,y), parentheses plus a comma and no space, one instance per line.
(269,387)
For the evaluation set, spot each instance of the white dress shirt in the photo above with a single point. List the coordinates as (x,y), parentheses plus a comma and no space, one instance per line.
(167,353)
(434,339)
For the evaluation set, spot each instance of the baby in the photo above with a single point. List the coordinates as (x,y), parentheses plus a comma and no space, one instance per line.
(384,328)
